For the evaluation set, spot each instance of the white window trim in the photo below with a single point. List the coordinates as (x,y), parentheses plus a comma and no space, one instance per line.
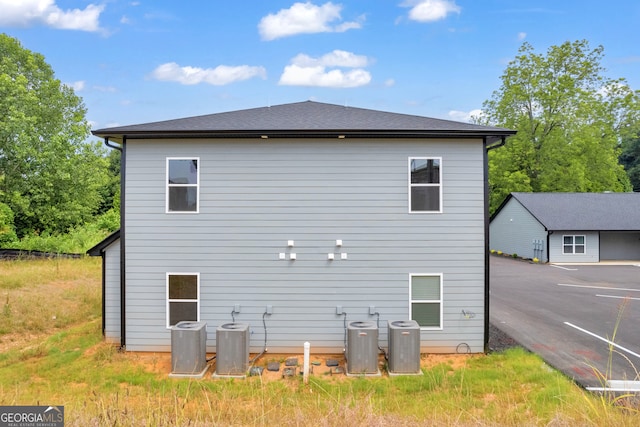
(182,300)
(410,185)
(573,244)
(167,186)
(441,300)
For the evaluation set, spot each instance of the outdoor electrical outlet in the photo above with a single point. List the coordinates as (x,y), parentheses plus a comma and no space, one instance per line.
(338,310)
(372,310)
(236,308)
(269,309)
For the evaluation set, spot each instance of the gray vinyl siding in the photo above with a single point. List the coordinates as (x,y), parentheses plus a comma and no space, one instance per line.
(255,195)
(112,292)
(592,247)
(515,231)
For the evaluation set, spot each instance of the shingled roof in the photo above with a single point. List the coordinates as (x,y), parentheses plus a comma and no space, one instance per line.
(582,211)
(309,118)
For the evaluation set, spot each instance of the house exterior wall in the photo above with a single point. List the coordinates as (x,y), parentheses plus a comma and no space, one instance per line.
(112,292)
(515,231)
(256,195)
(619,245)
(592,247)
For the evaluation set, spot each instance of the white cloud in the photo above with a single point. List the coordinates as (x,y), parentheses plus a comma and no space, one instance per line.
(522,35)
(29,12)
(431,10)
(218,76)
(337,58)
(77,86)
(465,116)
(307,71)
(294,75)
(389,82)
(305,18)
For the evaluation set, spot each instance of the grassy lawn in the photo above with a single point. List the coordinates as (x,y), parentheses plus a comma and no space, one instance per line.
(51,353)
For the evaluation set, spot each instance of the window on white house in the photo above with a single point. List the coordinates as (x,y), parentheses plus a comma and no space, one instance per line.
(183,180)
(425,184)
(573,244)
(426,300)
(183,297)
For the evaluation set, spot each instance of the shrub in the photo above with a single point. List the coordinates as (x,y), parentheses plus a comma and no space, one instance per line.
(7,228)
(76,240)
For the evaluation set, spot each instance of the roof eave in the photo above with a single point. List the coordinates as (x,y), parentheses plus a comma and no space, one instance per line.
(118,136)
(99,248)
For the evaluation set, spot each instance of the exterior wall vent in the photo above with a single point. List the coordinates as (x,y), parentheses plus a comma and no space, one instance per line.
(188,349)
(404,347)
(232,350)
(362,348)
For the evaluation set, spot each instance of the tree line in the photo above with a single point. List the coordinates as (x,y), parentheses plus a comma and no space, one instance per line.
(578,131)
(51,178)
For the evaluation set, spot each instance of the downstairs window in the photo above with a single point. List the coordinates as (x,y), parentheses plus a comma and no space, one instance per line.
(183,297)
(426,300)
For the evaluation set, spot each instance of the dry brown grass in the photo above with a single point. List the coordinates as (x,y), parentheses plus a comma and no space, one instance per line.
(40,297)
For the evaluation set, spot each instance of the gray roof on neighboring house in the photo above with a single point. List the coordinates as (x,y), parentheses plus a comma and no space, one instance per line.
(583,211)
(307,118)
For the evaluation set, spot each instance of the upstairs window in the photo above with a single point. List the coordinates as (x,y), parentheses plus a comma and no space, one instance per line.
(426,300)
(425,184)
(183,179)
(183,297)
(573,244)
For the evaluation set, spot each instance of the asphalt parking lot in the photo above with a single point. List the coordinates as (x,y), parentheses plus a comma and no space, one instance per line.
(581,319)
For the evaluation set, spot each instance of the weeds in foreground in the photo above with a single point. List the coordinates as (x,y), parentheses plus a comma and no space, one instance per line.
(100,386)
(607,399)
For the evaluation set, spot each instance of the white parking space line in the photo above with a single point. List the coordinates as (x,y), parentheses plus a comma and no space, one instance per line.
(599,287)
(615,296)
(619,386)
(619,347)
(564,268)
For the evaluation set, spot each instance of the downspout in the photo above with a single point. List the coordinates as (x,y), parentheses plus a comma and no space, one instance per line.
(487,275)
(122,150)
(103,255)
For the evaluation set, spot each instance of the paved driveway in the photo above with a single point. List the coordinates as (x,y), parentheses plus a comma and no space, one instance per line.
(579,319)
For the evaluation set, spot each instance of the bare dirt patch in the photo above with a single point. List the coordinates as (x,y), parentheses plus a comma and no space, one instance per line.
(321,365)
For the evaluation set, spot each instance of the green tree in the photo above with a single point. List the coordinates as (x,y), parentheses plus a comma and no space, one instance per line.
(630,156)
(110,192)
(50,174)
(570,120)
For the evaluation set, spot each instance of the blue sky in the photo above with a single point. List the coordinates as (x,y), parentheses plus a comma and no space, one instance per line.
(141,61)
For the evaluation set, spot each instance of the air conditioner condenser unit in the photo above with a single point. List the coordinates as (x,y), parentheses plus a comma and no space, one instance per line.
(404,347)
(189,349)
(232,350)
(362,348)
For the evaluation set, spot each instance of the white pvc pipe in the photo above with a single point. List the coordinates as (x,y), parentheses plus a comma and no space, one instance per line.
(305,367)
